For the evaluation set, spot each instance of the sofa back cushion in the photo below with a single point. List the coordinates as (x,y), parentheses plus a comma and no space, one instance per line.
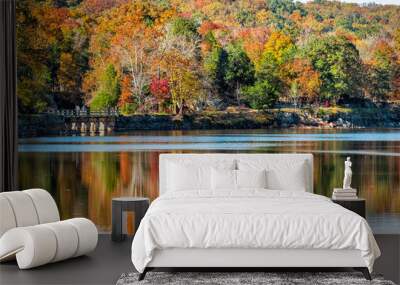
(26,208)
(7,218)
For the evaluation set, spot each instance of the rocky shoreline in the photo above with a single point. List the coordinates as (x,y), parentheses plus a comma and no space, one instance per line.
(351,118)
(389,117)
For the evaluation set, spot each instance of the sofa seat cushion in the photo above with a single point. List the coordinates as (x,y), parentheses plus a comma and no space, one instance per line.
(40,244)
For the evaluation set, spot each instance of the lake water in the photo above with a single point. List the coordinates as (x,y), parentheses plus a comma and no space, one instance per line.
(84,173)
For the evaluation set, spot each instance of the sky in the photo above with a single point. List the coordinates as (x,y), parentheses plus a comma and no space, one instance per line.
(396,2)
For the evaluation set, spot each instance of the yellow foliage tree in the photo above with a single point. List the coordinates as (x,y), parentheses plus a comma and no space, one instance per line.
(184,82)
(279,46)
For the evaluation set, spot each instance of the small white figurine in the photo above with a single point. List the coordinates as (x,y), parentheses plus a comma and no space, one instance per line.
(347,174)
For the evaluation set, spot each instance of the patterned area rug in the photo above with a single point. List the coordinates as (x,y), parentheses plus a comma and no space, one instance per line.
(230,278)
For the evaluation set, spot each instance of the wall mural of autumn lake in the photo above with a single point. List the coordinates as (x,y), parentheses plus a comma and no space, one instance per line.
(205,76)
(84,173)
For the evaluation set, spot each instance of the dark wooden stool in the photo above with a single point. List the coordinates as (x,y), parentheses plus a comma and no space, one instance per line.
(139,205)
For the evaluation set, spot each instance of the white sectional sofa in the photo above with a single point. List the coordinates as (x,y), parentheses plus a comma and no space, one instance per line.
(31,230)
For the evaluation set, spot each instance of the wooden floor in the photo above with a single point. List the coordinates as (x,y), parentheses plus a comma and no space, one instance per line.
(110,260)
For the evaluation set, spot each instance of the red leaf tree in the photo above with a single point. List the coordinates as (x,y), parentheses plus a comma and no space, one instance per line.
(159,88)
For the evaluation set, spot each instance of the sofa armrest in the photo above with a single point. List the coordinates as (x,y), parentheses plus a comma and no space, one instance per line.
(33,246)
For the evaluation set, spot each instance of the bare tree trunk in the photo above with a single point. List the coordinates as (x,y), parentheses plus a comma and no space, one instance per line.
(238,93)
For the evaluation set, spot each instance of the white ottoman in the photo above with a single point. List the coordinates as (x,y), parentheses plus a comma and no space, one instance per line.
(31,232)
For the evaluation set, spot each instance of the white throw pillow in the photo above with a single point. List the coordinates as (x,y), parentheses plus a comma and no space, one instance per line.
(223,179)
(229,180)
(184,178)
(251,178)
(291,178)
(281,175)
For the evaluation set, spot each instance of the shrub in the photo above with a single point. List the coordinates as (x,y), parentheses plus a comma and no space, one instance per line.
(261,95)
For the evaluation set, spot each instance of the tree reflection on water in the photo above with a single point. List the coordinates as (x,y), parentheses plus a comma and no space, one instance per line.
(83,183)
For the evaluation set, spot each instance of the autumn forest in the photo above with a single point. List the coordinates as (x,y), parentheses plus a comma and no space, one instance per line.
(176,56)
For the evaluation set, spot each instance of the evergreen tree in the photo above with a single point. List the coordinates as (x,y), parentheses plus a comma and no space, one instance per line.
(239,70)
(215,65)
(261,95)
